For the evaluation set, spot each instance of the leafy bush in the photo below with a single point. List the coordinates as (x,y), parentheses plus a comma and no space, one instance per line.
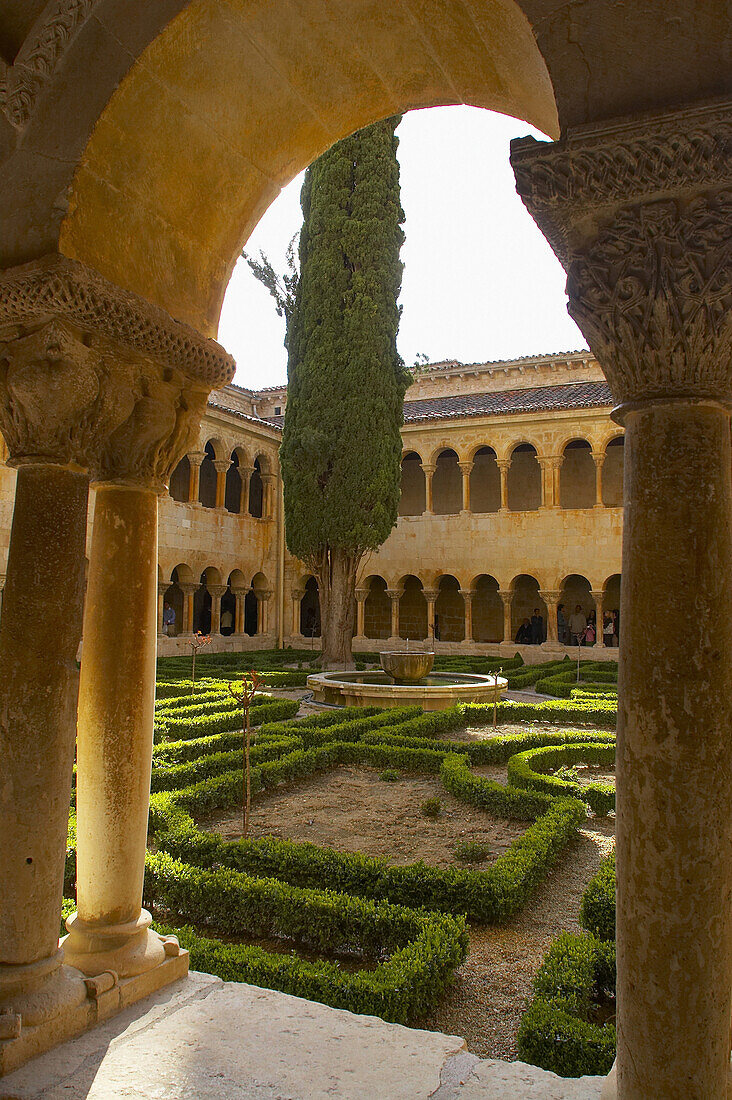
(390,775)
(431,807)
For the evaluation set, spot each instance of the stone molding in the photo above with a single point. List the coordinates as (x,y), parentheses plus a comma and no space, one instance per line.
(39,57)
(57,287)
(640,214)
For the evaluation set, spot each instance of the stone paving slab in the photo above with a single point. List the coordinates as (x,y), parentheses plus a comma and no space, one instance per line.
(204,1039)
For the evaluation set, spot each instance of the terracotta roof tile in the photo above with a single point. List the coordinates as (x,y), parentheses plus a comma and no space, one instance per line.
(574,395)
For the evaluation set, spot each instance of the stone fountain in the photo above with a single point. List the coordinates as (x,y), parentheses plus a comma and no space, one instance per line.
(405,679)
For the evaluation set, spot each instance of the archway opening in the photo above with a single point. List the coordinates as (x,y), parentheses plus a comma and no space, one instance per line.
(377,610)
(251,613)
(207,478)
(412,610)
(487,610)
(577,476)
(449,611)
(485,482)
(256,491)
(447,485)
(611,609)
(232,494)
(180,481)
(524,480)
(202,608)
(576,595)
(612,473)
(526,607)
(412,499)
(174,599)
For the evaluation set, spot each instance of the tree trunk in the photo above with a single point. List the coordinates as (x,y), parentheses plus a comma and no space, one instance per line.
(337,590)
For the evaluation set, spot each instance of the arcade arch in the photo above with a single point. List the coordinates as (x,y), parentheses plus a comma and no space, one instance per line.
(485,481)
(577,475)
(524,479)
(377,609)
(413,495)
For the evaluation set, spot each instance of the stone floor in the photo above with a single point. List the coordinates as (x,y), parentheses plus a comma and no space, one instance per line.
(204,1039)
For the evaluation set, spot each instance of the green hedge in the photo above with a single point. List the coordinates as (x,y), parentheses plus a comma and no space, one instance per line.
(490,895)
(597,912)
(266,710)
(491,750)
(424,949)
(555,1032)
(527,770)
(601,713)
(174,776)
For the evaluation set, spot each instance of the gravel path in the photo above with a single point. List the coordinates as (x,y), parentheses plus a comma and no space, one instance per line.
(487,999)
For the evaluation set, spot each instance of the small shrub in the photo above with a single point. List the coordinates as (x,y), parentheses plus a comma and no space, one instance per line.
(471,851)
(431,807)
(390,775)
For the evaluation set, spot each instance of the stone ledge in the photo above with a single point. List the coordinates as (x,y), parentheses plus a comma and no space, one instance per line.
(216,1040)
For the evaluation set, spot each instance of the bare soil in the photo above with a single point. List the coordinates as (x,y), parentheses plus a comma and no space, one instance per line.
(352,810)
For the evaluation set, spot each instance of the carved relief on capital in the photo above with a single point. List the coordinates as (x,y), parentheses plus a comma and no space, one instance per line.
(653,295)
(60,394)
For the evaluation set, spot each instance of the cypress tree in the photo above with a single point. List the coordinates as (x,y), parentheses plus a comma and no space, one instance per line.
(341,447)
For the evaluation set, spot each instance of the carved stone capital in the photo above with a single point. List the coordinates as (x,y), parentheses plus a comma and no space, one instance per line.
(361,594)
(60,395)
(94,376)
(216,591)
(221,465)
(640,214)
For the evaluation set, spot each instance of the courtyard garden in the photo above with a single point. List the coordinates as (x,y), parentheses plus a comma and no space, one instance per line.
(427,868)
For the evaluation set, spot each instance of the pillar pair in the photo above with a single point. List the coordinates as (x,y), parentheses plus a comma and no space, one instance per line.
(108,389)
(641,218)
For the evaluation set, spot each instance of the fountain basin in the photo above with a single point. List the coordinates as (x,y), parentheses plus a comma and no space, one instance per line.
(406,668)
(377,689)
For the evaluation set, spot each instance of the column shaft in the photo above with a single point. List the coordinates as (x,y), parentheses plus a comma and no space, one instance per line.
(394,597)
(468,601)
(429,470)
(239,596)
(503,466)
(39,638)
(431,598)
(194,481)
(599,459)
(598,597)
(551,599)
(465,470)
(507,598)
(674,765)
(115,737)
(296,611)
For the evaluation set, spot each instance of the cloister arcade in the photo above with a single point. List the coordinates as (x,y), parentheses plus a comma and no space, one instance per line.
(201,603)
(230,482)
(517,478)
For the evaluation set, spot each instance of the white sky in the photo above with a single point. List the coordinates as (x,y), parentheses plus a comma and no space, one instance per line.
(480,282)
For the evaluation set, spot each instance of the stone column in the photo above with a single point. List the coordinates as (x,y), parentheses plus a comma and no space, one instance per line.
(189,589)
(245,473)
(297,595)
(551,599)
(430,594)
(239,596)
(216,591)
(429,471)
(640,215)
(361,596)
(221,466)
(394,595)
(547,481)
(466,470)
(504,465)
(599,597)
(110,930)
(2,589)
(507,598)
(268,481)
(467,595)
(195,459)
(163,587)
(598,459)
(263,598)
(57,402)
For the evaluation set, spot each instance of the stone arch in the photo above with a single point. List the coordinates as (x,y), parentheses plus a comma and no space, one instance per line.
(612,472)
(180,481)
(577,474)
(524,478)
(487,609)
(239,101)
(449,610)
(611,600)
(447,484)
(232,493)
(576,591)
(207,477)
(256,488)
(412,608)
(485,480)
(525,601)
(413,494)
(377,608)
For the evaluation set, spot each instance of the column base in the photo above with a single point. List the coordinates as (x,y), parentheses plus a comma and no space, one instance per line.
(126,949)
(94,1000)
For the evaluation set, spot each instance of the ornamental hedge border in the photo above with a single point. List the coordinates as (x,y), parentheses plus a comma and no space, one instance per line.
(424,948)
(527,770)
(597,911)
